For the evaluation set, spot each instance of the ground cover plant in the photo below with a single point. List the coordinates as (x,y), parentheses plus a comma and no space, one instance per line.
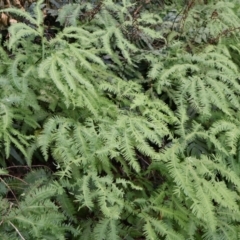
(120,120)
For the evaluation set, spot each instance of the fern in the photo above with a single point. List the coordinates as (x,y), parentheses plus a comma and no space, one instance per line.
(134,109)
(27,218)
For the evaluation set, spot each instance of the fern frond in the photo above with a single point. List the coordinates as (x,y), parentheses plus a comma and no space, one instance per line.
(21,13)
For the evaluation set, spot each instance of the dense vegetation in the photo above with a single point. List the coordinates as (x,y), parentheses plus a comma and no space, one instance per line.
(120,120)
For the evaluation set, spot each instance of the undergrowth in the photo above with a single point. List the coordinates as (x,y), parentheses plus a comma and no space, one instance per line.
(121,123)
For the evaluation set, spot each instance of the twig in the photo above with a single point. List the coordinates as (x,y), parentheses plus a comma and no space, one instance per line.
(21,236)
(9,190)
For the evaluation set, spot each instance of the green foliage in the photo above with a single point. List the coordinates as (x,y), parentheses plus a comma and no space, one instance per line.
(30,212)
(135,108)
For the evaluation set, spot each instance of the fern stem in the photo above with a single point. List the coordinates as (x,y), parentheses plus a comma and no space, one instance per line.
(43,49)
